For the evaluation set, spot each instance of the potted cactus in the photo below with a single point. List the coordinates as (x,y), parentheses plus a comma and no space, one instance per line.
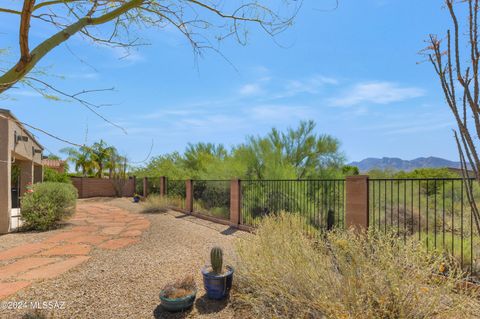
(217,279)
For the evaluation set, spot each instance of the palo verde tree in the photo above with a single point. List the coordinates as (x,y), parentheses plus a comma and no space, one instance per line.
(455,59)
(114,23)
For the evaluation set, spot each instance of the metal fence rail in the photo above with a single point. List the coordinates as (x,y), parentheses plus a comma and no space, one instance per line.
(435,211)
(310,199)
(153,185)
(212,197)
(138,186)
(176,192)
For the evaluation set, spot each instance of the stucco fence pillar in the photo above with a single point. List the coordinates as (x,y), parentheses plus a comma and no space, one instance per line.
(356,202)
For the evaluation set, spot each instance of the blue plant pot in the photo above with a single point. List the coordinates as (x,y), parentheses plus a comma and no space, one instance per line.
(136,199)
(177,304)
(217,286)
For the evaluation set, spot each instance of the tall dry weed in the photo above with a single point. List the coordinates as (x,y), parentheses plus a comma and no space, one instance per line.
(281,273)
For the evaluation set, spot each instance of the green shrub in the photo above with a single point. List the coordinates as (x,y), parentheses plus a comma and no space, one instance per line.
(51,175)
(46,204)
(282,273)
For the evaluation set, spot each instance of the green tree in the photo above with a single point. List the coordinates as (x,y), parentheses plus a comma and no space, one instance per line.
(102,155)
(81,159)
(294,154)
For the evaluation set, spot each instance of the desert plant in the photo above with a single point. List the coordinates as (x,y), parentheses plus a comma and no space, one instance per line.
(46,204)
(160,204)
(283,273)
(180,288)
(179,295)
(51,175)
(216,259)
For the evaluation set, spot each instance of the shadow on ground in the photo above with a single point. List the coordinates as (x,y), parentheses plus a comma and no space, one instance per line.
(208,306)
(229,231)
(203,306)
(160,313)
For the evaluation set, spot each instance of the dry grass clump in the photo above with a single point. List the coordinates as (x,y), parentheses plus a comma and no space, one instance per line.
(282,273)
(159,204)
(180,288)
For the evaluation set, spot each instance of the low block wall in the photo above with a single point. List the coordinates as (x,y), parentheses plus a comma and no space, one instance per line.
(102,187)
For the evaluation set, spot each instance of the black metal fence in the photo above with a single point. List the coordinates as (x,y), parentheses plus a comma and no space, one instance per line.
(176,192)
(212,197)
(139,186)
(312,200)
(153,185)
(436,211)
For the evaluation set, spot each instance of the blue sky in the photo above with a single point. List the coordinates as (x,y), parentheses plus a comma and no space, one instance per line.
(353,70)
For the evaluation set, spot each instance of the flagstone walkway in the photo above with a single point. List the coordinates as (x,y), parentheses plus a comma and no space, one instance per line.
(95,226)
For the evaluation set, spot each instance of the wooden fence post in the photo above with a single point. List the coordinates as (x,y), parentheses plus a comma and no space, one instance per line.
(145,186)
(189,195)
(356,199)
(163,185)
(235,202)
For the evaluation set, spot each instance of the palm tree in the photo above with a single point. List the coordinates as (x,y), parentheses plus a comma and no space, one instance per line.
(102,155)
(81,158)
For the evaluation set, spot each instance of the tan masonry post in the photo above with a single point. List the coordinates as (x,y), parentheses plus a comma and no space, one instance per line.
(235,201)
(145,187)
(356,199)
(163,185)
(189,195)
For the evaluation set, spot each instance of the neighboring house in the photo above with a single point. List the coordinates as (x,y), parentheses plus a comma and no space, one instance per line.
(54,164)
(20,166)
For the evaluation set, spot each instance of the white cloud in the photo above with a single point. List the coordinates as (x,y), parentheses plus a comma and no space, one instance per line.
(250,89)
(376,93)
(279,112)
(310,85)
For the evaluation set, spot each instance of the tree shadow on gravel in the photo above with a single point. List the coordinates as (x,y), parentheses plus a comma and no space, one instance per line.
(208,306)
(160,313)
(229,231)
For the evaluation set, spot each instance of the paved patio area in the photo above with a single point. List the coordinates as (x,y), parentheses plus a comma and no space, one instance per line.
(112,263)
(95,226)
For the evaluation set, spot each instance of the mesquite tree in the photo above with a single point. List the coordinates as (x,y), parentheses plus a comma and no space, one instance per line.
(113,23)
(455,59)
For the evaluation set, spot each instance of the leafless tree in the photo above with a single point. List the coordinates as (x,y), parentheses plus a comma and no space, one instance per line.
(455,59)
(115,22)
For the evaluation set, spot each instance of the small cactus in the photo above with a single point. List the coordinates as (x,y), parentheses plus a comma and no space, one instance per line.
(216,259)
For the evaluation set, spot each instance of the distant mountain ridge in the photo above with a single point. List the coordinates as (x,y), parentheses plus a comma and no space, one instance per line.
(399,164)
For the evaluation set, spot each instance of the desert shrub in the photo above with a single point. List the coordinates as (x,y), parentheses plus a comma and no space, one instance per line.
(46,204)
(51,175)
(282,273)
(160,204)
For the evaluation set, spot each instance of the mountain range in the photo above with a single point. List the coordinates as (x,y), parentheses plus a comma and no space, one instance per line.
(399,164)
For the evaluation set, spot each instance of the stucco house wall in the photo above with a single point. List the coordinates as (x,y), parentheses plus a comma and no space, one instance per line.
(17,146)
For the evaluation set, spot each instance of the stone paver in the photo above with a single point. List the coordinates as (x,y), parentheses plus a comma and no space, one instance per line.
(24,250)
(54,270)
(95,226)
(23,265)
(69,249)
(9,288)
(113,230)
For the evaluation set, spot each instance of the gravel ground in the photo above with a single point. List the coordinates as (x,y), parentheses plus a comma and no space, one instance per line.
(125,283)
